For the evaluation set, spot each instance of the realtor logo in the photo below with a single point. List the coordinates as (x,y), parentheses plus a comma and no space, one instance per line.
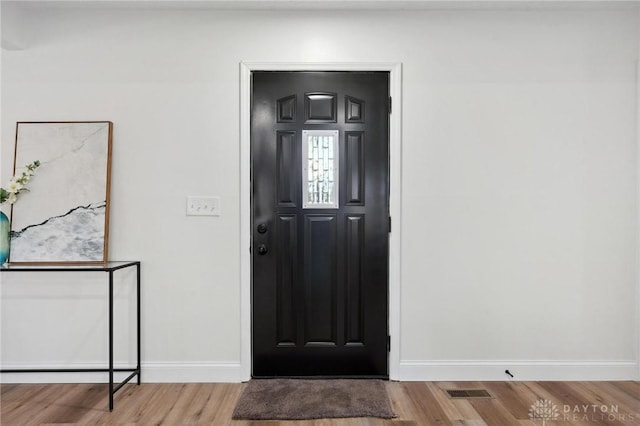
(544,410)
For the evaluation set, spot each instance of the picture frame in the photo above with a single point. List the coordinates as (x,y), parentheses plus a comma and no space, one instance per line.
(64,217)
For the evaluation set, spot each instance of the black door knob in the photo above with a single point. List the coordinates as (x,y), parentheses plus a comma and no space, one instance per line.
(262,228)
(262,249)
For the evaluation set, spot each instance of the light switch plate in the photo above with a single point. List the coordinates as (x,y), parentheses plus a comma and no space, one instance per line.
(203,205)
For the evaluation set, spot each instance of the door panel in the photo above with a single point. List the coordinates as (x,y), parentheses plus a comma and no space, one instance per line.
(320,273)
(287,160)
(354,166)
(287,234)
(320,293)
(353,284)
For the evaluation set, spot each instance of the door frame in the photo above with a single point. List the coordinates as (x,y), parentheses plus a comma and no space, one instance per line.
(395,192)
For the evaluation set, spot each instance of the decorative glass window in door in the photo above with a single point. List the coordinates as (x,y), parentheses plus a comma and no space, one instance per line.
(320,166)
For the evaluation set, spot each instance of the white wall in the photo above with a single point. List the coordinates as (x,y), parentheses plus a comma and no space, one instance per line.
(519,174)
(638,198)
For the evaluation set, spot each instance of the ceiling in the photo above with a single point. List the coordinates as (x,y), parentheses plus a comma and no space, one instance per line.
(323,4)
(14,36)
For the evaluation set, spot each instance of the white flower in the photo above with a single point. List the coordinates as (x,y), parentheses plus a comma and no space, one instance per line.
(17,184)
(14,187)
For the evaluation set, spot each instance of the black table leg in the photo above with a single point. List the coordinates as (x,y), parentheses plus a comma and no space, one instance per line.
(138,321)
(110,340)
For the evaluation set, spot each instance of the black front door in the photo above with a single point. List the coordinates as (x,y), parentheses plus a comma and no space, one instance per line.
(320,223)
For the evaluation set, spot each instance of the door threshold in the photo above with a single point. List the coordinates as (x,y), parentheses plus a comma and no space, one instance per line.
(321,377)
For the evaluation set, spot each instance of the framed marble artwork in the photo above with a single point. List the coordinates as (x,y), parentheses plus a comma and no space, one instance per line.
(64,218)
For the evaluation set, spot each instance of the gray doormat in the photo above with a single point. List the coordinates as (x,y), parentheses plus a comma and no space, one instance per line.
(295,399)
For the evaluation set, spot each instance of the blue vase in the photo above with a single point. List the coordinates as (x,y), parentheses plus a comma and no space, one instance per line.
(5,242)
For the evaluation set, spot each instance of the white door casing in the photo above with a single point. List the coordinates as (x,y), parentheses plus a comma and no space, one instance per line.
(395,150)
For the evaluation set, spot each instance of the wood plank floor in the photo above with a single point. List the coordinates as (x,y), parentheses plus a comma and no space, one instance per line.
(415,404)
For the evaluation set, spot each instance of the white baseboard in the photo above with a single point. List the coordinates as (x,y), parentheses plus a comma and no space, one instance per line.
(232,372)
(196,372)
(494,370)
(152,372)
